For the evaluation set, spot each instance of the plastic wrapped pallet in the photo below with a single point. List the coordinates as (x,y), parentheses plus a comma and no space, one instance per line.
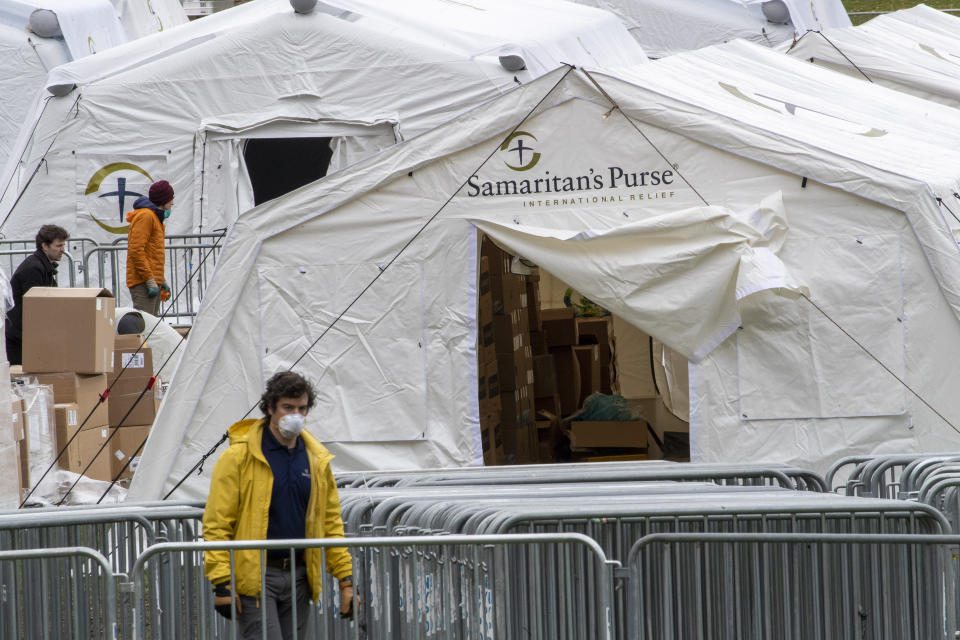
(39,424)
(9,454)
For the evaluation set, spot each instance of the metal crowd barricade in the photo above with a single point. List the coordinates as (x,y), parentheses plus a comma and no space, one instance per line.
(120,534)
(810,586)
(725,474)
(879,476)
(48,594)
(190,263)
(449,587)
(10,259)
(616,514)
(13,252)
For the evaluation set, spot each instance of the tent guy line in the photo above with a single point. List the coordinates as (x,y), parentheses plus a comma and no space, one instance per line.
(106,394)
(199,465)
(944,205)
(880,362)
(845,57)
(642,134)
(40,163)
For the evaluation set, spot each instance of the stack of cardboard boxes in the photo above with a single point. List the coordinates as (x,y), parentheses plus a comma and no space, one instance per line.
(134,400)
(505,334)
(69,346)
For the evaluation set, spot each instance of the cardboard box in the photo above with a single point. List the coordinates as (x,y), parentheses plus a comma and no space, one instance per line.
(538,342)
(84,390)
(550,404)
(492,445)
(601,434)
(137,360)
(16,417)
(68,330)
(517,407)
(92,452)
(486,344)
(488,393)
(544,376)
(568,379)
(19,378)
(588,361)
(67,420)
(520,443)
(66,423)
(516,369)
(128,341)
(126,447)
(559,327)
(510,331)
(595,330)
(123,398)
(533,303)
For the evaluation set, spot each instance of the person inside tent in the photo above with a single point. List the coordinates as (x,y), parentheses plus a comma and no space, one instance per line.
(275,479)
(145,248)
(38,270)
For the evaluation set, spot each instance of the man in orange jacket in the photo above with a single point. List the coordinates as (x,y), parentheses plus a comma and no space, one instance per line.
(145,248)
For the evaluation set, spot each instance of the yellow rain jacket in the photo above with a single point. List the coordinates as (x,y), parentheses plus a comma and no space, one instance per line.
(238,508)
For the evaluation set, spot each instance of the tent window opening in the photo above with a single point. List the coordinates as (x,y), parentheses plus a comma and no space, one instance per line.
(280,165)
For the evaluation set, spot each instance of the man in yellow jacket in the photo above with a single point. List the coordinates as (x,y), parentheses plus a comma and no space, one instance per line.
(145,248)
(274,482)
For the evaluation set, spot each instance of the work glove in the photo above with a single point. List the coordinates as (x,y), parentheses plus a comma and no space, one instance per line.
(152,289)
(346,598)
(164,292)
(221,601)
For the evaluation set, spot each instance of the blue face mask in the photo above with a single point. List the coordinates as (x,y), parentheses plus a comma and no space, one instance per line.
(166,213)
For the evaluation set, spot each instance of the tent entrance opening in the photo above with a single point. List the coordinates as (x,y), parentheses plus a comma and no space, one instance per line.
(280,165)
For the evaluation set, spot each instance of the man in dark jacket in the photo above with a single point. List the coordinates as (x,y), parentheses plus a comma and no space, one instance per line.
(38,270)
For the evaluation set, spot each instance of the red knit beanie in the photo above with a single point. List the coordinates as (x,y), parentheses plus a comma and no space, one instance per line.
(160,193)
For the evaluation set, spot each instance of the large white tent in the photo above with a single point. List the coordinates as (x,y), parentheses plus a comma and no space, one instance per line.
(184,104)
(893,51)
(794,249)
(665,27)
(38,35)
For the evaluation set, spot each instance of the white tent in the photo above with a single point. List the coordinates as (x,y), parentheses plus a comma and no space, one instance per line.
(37,35)
(665,27)
(922,16)
(919,60)
(684,195)
(186,103)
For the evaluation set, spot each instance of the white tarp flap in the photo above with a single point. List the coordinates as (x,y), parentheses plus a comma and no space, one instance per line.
(679,275)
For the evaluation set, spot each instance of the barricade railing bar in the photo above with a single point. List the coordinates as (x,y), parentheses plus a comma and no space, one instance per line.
(10,259)
(104,266)
(792,585)
(48,594)
(454,586)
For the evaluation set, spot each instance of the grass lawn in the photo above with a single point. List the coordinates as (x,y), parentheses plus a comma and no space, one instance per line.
(893,5)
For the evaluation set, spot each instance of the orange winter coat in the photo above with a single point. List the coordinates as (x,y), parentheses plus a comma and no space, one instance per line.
(145,240)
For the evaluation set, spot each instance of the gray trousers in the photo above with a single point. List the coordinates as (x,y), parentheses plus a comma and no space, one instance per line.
(143,302)
(276,605)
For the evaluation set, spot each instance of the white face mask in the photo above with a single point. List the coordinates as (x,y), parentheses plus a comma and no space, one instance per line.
(291,425)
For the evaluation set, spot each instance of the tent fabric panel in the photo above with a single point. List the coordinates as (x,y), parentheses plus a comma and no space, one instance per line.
(370,365)
(794,363)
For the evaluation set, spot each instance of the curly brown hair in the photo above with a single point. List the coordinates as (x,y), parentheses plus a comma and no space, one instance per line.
(49,233)
(286,384)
